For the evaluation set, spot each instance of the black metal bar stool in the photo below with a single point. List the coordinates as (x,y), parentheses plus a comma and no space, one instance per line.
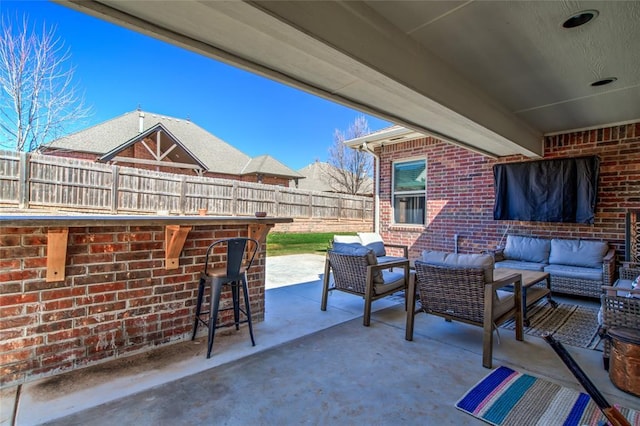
(240,254)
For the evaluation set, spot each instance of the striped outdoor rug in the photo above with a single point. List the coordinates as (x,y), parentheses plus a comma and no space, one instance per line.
(506,397)
(573,325)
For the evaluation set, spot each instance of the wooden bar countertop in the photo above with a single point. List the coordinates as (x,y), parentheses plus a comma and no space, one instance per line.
(80,220)
(176,227)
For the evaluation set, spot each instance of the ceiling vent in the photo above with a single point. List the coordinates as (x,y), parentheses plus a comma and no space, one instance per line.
(580,18)
(604,81)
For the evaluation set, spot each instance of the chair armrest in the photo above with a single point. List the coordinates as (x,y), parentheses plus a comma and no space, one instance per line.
(497,254)
(515,279)
(511,279)
(610,256)
(608,267)
(404,248)
(613,291)
(389,265)
(489,292)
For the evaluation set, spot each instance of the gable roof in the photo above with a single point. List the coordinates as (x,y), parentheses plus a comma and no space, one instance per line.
(147,133)
(110,137)
(317,179)
(275,168)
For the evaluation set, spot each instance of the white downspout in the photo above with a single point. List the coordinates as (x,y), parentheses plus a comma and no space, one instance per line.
(376,195)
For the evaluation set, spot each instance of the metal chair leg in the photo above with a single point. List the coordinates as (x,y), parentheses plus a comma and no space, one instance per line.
(216,289)
(198,307)
(235,294)
(245,290)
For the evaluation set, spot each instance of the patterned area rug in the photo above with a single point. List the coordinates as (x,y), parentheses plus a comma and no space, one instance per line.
(574,325)
(506,397)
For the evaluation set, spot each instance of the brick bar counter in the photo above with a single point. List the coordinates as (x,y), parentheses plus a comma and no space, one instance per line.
(76,290)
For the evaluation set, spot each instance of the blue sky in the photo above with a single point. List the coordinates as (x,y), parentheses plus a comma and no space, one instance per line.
(119,70)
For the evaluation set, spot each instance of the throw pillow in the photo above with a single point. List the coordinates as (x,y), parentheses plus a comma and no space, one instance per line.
(373,240)
(346,239)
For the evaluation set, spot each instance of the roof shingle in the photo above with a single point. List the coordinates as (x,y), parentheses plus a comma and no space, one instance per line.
(217,155)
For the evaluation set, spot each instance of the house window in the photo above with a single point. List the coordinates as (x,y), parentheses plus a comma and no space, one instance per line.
(409,192)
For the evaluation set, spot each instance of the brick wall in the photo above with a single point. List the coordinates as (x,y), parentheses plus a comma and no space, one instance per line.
(460,193)
(117,298)
(324,225)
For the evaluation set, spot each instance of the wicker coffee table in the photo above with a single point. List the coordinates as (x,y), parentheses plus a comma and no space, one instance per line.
(531,292)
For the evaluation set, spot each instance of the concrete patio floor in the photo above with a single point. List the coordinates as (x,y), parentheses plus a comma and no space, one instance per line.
(308,367)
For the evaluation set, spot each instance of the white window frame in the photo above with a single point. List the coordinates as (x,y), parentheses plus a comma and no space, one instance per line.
(410,193)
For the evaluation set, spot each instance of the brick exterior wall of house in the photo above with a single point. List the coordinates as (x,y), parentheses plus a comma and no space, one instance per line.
(460,192)
(117,298)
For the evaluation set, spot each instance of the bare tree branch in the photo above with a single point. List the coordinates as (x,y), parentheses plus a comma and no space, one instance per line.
(39,99)
(351,169)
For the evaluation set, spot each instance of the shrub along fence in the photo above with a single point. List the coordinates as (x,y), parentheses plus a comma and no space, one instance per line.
(29,180)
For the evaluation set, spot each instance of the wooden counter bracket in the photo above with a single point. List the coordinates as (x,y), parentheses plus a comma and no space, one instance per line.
(259,232)
(175,236)
(56,254)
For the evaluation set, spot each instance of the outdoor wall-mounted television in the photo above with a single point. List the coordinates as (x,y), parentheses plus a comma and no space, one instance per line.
(558,190)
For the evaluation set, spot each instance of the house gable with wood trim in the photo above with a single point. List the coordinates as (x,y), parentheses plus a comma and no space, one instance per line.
(155,142)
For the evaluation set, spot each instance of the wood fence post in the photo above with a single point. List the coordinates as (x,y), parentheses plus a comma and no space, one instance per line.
(234,199)
(310,205)
(23,181)
(364,209)
(277,197)
(183,194)
(115,180)
(339,208)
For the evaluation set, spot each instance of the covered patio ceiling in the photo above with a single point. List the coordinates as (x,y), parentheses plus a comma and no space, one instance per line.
(493,76)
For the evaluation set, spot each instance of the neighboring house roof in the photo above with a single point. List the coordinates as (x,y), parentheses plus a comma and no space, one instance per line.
(110,137)
(148,133)
(267,162)
(317,179)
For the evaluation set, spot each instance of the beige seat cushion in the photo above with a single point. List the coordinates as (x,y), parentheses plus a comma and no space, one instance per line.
(392,279)
(503,301)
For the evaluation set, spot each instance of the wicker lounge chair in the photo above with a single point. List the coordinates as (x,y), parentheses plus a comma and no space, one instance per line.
(464,294)
(359,273)
(620,308)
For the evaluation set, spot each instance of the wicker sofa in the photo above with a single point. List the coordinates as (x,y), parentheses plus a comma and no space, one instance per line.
(577,267)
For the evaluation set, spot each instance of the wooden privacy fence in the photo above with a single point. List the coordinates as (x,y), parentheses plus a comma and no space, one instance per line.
(44,181)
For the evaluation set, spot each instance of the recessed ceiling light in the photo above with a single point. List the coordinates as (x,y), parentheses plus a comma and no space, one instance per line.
(580,18)
(604,81)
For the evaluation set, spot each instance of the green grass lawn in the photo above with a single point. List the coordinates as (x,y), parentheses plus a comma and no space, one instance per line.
(279,244)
